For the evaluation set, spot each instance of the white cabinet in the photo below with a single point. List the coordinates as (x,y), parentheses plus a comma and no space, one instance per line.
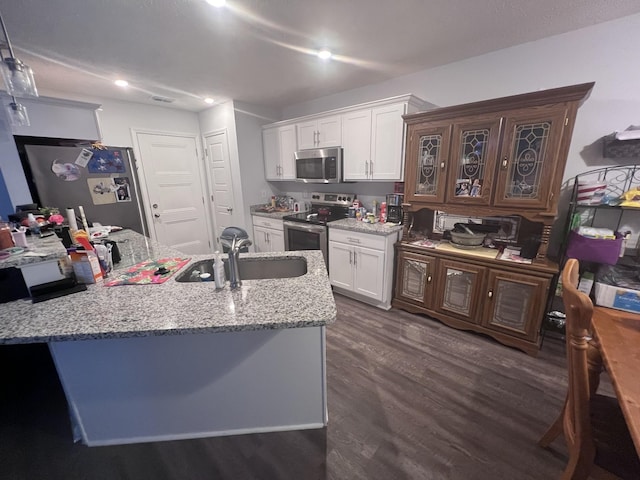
(279,144)
(361,265)
(320,132)
(373,141)
(268,234)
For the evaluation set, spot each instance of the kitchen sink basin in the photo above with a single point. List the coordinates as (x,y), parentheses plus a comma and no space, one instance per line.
(250,268)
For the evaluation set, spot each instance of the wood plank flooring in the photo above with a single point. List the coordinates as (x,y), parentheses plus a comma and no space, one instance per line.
(409,398)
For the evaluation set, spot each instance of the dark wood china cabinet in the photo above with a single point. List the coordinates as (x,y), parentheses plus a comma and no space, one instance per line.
(496,158)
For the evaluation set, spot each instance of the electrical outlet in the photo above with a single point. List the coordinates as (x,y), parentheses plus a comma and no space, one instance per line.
(305,194)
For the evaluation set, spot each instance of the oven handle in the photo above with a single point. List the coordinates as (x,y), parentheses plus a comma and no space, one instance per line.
(306,228)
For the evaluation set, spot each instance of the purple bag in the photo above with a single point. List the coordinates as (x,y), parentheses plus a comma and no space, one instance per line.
(600,250)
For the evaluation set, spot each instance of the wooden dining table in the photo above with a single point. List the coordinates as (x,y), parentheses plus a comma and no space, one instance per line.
(618,335)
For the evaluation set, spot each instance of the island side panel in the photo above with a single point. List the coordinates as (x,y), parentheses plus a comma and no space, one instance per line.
(143,389)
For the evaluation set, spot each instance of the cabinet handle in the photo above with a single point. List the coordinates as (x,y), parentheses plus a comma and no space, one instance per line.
(316,137)
(371,168)
(355,259)
(442,165)
(268,238)
(353,240)
(429,279)
(490,294)
(505,161)
(366,169)
(350,258)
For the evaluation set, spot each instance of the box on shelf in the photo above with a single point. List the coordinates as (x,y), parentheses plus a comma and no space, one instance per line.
(618,297)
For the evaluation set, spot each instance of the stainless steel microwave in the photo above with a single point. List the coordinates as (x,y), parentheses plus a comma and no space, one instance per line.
(319,165)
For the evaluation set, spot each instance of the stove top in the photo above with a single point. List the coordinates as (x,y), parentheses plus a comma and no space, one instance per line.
(325,207)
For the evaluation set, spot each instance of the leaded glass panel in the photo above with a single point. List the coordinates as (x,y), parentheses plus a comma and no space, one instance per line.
(513,304)
(429,164)
(413,284)
(472,162)
(525,173)
(458,291)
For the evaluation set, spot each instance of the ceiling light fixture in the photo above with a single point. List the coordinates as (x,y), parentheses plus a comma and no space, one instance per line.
(121,83)
(324,54)
(209,100)
(18,77)
(217,3)
(17,114)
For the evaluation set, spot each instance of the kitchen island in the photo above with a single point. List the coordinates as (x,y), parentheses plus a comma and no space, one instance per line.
(183,360)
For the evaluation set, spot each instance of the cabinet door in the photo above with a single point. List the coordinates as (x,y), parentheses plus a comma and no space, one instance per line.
(414,278)
(515,303)
(356,144)
(426,157)
(341,265)
(288,146)
(260,243)
(329,132)
(276,240)
(307,134)
(386,147)
(472,161)
(271,152)
(368,272)
(458,290)
(529,156)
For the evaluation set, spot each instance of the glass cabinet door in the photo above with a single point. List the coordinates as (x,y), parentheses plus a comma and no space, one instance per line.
(458,289)
(516,303)
(474,150)
(528,157)
(426,157)
(415,278)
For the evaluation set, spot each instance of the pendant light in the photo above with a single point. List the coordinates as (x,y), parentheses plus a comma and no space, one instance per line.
(17,114)
(18,77)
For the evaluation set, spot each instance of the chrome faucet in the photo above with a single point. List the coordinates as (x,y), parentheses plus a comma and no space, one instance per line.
(234,253)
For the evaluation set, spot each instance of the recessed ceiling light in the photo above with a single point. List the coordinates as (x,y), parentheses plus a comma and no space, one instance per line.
(324,54)
(121,83)
(209,100)
(217,3)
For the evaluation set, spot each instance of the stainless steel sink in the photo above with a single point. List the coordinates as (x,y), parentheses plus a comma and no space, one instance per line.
(250,268)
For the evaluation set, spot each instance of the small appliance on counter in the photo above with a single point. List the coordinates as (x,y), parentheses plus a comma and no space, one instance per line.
(394,207)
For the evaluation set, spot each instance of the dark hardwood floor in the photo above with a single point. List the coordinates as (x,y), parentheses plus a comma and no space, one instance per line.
(409,398)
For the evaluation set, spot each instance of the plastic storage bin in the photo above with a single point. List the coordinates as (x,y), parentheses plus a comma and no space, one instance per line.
(598,250)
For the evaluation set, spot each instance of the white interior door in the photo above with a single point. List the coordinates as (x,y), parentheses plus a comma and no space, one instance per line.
(174,190)
(220,181)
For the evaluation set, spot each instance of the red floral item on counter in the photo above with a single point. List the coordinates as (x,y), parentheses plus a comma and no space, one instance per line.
(146,273)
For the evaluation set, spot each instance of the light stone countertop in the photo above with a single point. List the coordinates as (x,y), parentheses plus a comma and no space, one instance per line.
(39,250)
(354,225)
(173,308)
(254,209)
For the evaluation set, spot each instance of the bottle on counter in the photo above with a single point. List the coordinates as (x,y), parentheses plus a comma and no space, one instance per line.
(218,271)
(6,239)
(34,226)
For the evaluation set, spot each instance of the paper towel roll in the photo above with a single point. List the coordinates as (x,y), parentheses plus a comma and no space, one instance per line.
(71,218)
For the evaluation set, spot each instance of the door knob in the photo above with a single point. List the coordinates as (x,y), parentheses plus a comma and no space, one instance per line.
(229,209)
(157,215)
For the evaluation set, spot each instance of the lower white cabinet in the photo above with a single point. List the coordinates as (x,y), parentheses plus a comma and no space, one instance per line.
(361,265)
(268,234)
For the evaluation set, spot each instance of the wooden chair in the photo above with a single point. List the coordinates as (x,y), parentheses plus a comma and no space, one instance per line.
(593,426)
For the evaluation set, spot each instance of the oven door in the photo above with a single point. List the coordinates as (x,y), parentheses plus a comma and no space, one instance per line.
(304,236)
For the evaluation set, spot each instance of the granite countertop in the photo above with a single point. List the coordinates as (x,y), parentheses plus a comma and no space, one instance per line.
(255,210)
(173,308)
(39,250)
(354,225)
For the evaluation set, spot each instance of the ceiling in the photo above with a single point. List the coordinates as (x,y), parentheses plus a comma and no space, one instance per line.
(259,51)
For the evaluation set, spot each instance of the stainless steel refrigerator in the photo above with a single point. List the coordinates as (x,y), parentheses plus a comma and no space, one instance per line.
(103,181)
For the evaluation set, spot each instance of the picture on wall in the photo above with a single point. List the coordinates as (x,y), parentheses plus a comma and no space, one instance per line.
(123,191)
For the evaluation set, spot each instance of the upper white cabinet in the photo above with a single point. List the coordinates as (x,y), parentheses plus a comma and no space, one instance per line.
(373,143)
(321,132)
(279,144)
(371,135)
